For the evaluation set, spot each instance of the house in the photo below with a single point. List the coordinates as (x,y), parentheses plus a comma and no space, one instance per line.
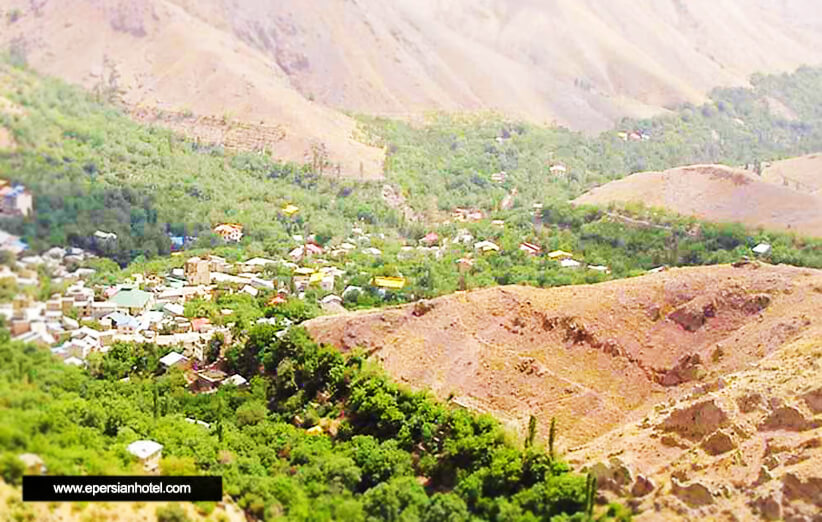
(351,292)
(558,169)
(11,243)
(208,380)
(173,359)
(762,249)
(198,271)
(465,214)
(570,263)
(257,264)
(124,323)
(289,210)
(250,290)
(147,452)
(486,246)
(219,264)
(74,361)
(389,283)
(313,249)
(599,268)
(237,380)
(297,254)
(277,300)
(530,248)
(200,324)
(33,463)
(104,237)
(498,223)
(15,200)
(498,177)
(430,239)
(174,309)
(464,264)
(558,255)
(331,298)
(132,300)
(230,232)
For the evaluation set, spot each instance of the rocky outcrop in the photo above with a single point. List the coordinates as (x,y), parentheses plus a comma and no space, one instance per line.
(808,490)
(688,368)
(718,442)
(693,314)
(787,418)
(697,420)
(613,475)
(642,486)
(813,399)
(694,494)
(769,506)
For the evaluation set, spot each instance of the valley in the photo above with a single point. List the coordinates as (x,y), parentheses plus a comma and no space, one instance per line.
(503,260)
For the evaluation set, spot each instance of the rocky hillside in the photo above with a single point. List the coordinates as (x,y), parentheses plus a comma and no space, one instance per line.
(692,377)
(721,194)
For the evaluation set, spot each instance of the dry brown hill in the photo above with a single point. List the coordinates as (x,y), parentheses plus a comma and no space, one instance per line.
(180,71)
(581,63)
(591,355)
(652,375)
(717,193)
(803,174)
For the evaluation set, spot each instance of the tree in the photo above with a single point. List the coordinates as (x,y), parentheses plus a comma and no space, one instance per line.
(172,512)
(532,431)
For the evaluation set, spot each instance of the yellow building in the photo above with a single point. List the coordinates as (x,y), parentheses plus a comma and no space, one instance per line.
(390,283)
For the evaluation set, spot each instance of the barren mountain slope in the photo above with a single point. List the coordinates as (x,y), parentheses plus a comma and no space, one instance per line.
(210,84)
(803,174)
(717,193)
(594,356)
(742,447)
(583,63)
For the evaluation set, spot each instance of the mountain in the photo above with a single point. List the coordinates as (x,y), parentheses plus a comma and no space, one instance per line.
(716,193)
(175,69)
(692,378)
(583,64)
(279,75)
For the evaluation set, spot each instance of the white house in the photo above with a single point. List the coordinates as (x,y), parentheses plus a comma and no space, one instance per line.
(173,359)
(147,452)
(570,263)
(762,249)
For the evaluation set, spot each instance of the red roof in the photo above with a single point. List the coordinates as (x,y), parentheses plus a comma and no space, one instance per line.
(314,249)
(277,300)
(200,323)
(431,238)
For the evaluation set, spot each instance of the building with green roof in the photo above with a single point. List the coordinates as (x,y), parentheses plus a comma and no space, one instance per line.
(133,300)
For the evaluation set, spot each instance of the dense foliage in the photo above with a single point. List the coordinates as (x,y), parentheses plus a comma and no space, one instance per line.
(90,167)
(394,454)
